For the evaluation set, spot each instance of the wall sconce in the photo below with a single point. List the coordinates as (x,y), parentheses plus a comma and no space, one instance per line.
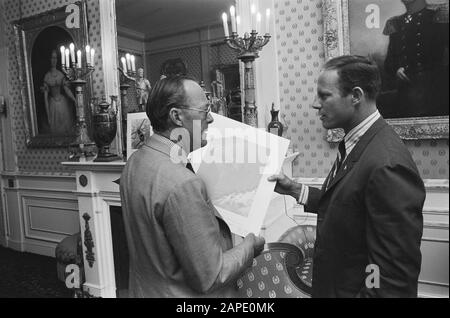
(3,107)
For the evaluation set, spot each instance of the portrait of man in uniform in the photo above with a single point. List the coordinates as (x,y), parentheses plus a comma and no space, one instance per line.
(408,39)
(417,61)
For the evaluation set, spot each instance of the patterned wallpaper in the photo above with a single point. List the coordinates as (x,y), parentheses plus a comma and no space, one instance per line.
(300,56)
(45,159)
(191,56)
(299,28)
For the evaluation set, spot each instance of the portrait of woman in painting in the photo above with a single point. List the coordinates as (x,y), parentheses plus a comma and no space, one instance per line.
(59,100)
(55,103)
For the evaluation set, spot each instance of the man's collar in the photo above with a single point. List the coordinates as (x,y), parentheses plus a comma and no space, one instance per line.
(168,147)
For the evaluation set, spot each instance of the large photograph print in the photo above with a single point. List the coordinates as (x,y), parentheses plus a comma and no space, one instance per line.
(408,39)
(48,97)
(235,165)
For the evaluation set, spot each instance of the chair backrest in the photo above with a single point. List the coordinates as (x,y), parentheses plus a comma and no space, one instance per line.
(274,274)
(302,236)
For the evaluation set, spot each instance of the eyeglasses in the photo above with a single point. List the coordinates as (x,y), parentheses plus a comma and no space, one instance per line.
(207,111)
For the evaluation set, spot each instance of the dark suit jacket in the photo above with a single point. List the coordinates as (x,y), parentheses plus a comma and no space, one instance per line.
(179,245)
(370,214)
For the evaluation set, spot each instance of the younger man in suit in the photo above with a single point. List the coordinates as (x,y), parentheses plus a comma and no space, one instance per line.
(369,210)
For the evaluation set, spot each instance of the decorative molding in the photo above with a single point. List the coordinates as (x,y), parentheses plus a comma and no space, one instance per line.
(116,166)
(83,180)
(436,184)
(337,42)
(88,241)
(109,54)
(433,283)
(35,174)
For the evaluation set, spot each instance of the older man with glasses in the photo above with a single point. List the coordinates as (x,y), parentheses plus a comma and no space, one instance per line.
(178,243)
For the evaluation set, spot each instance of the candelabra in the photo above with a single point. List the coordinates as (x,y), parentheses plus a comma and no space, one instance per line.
(248,48)
(82,148)
(126,78)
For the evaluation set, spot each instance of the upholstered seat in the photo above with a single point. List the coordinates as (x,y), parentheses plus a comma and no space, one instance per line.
(273,273)
(68,251)
(304,237)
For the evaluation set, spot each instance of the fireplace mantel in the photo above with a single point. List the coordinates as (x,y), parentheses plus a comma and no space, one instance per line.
(97,190)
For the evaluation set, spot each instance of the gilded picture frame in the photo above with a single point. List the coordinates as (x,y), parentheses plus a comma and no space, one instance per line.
(337,41)
(37,38)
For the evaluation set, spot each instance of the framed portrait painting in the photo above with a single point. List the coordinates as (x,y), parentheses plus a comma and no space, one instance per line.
(408,39)
(48,98)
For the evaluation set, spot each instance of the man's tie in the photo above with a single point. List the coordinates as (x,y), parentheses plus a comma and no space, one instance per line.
(189,166)
(338,162)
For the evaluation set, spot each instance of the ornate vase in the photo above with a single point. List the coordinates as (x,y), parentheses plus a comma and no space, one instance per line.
(275,126)
(105,128)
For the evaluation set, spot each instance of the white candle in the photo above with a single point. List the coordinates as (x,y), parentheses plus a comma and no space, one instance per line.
(72,52)
(128,57)
(63,56)
(67,58)
(133,63)
(79,58)
(253,18)
(238,21)
(267,21)
(258,22)
(233,18)
(124,64)
(93,56)
(225,24)
(88,55)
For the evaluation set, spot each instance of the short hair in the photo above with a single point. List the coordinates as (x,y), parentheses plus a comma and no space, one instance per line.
(166,94)
(355,70)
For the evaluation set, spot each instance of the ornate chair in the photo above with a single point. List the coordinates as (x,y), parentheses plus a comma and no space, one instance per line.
(274,274)
(304,237)
(69,251)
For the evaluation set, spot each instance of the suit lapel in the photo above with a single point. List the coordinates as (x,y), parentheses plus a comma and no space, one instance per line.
(356,153)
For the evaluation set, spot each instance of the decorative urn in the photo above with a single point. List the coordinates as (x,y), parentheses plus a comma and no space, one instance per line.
(105,128)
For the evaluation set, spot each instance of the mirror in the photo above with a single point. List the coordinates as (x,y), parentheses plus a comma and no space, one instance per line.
(180,36)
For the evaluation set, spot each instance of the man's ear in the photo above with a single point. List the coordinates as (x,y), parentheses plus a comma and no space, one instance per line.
(176,117)
(357,95)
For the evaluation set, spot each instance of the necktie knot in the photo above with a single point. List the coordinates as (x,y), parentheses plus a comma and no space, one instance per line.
(189,166)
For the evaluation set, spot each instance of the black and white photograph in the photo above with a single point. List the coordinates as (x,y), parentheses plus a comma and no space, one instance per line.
(217,156)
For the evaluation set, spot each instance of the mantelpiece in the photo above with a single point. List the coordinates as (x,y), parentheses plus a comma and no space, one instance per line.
(96,192)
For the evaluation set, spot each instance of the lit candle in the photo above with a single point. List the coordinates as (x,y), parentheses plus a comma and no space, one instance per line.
(124,64)
(258,22)
(88,55)
(253,19)
(63,56)
(93,56)
(225,24)
(128,57)
(72,52)
(67,58)
(233,18)
(79,58)
(133,63)
(267,21)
